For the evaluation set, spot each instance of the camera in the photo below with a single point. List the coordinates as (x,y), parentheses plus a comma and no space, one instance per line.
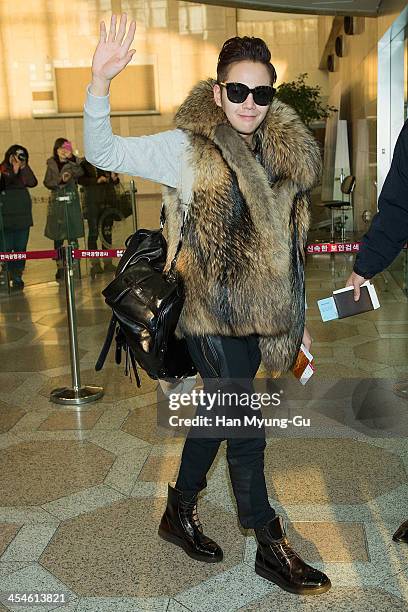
(22,156)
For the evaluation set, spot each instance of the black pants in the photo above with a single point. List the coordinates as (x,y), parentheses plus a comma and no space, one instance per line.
(106,231)
(228,358)
(16,240)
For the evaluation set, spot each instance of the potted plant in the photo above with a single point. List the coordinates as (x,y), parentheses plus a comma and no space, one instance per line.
(305,99)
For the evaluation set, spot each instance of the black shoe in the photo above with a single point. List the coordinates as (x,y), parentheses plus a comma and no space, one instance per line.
(109,267)
(180,525)
(59,275)
(401,535)
(96,268)
(17,281)
(277,561)
(18,284)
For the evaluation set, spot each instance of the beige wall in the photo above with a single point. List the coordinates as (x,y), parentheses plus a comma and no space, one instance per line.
(182,39)
(293,41)
(38,33)
(357,75)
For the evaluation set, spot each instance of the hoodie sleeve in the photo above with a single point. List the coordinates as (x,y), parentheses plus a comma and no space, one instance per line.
(388,231)
(157,157)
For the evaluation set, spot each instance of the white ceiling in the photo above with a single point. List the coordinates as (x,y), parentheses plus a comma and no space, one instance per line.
(312,7)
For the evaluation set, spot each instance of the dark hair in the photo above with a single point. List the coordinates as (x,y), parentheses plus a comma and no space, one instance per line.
(12,151)
(58,143)
(238,49)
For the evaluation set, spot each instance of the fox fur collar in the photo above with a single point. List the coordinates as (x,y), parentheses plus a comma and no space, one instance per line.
(243,245)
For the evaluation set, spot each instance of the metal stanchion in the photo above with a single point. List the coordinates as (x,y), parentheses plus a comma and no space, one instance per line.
(4,271)
(133,192)
(76,395)
(400,388)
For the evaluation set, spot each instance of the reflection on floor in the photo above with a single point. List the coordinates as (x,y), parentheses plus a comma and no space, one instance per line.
(81,492)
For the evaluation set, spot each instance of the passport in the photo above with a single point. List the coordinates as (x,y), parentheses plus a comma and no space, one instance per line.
(341,304)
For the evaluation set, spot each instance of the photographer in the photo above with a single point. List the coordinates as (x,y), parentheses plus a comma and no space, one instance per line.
(64,217)
(16,177)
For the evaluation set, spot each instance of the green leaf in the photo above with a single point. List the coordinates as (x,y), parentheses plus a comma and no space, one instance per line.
(305,99)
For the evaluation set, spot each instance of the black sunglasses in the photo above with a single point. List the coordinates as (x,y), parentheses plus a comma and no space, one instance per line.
(238,93)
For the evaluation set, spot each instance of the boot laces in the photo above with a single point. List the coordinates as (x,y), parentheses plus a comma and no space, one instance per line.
(287,550)
(190,508)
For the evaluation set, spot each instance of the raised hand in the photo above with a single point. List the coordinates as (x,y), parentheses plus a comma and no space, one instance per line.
(16,163)
(112,54)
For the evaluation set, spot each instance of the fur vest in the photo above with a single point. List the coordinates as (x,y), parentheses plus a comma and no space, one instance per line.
(242,256)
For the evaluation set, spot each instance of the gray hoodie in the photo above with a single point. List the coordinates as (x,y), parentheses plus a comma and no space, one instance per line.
(162,158)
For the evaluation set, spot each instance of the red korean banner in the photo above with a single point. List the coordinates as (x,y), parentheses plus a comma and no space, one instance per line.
(23,255)
(336,247)
(312,249)
(97,254)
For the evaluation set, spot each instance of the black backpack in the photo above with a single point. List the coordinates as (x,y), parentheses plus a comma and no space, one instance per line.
(146,304)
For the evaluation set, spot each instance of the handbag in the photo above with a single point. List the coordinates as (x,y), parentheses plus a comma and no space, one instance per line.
(146,304)
(123,201)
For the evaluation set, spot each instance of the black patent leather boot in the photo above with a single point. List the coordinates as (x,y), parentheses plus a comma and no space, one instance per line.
(277,561)
(181,526)
(401,535)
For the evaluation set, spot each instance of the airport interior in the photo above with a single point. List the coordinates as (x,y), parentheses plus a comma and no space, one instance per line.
(83,486)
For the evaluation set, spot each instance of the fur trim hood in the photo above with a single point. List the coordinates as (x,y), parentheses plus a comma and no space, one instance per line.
(290,151)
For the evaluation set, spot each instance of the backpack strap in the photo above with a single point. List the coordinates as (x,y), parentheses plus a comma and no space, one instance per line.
(106,345)
(180,242)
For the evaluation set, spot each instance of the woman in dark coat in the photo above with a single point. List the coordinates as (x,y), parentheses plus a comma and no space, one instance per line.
(64,217)
(16,177)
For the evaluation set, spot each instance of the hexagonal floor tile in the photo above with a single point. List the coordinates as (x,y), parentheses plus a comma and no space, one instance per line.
(329,542)
(339,599)
(324,332)
(9,416)
(115,551)
(117,386)
(8,532)
(38,472)
(392,311)
(85,318)
(72,420)
(390,351)
(10,381)
(39,357)
(160,468)
(142,423)
(332,471)
(25,304)
(11,334)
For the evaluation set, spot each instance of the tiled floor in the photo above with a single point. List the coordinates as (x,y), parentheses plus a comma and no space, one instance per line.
(81,492)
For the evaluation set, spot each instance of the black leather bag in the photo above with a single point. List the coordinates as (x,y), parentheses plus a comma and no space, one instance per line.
(146,305)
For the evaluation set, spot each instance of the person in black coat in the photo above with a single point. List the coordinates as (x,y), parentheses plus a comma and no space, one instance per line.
(99,195)
(388,231)
(386,236)
(16,177)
